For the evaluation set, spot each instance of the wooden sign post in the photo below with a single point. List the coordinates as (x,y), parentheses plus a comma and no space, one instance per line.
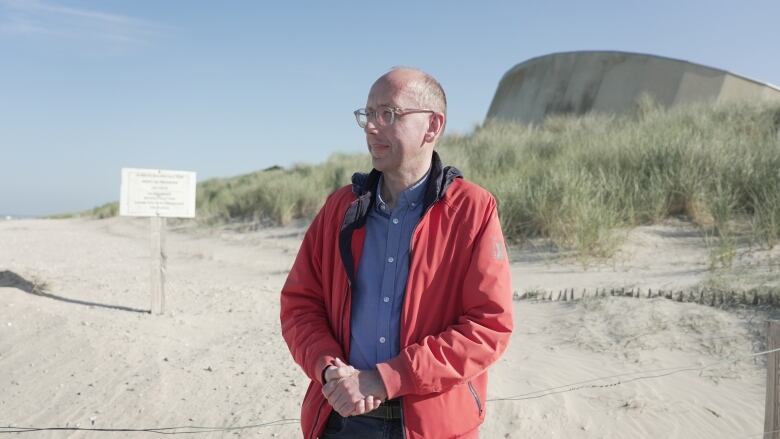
(159,195)
(158,264)
(772,414)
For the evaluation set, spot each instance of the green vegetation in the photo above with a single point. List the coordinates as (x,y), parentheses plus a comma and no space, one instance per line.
(105,210)
(275,196)
(577,181)
(66,215)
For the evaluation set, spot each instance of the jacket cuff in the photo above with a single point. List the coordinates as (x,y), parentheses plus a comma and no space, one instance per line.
(322,363)
(396,378)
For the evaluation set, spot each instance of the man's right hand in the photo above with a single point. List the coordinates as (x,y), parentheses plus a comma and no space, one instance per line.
(340,371)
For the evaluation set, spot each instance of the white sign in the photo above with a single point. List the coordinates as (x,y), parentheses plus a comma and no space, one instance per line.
(155,192)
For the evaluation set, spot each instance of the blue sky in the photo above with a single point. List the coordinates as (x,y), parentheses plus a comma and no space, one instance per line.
(224,88)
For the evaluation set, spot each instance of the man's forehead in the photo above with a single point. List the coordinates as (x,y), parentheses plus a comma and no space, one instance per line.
(391,95)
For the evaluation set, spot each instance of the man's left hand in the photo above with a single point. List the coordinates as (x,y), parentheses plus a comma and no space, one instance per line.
(353,395)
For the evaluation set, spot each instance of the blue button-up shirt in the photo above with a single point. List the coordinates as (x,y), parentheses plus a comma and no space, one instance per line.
(378,293)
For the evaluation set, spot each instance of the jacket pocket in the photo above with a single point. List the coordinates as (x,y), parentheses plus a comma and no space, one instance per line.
(474,393)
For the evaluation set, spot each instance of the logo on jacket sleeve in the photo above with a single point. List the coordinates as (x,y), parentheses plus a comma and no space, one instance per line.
(498,248)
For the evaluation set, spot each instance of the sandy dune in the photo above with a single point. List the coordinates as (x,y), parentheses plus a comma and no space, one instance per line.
(83,355)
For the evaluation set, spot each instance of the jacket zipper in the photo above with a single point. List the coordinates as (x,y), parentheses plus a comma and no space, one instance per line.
(403,424)
(316,420)
(476,397)
(414,232)
(343,306)
(411,241)
(343,310)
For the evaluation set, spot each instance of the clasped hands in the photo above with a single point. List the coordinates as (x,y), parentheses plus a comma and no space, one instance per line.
(351,391)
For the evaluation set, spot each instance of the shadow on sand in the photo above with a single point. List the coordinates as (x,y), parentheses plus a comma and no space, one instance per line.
(13,280)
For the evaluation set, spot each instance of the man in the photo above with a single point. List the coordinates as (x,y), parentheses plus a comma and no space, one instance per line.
(400,296)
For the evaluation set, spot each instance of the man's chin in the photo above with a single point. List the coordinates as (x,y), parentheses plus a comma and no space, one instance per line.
(378,163)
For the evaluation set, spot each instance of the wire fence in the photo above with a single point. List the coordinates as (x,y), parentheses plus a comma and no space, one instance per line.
(187,429)
(594,383)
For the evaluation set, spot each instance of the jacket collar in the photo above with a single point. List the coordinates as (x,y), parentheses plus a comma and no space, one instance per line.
(440,178)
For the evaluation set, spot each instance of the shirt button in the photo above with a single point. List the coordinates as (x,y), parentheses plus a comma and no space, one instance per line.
(395,220)
(390,259)
(414,204)
(386,299)
(381,339)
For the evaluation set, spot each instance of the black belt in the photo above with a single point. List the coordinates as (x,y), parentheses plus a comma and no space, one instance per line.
(386,410)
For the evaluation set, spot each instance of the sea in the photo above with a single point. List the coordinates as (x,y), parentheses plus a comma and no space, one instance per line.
(8,217)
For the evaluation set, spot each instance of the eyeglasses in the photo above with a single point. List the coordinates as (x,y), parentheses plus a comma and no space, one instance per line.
(384,116)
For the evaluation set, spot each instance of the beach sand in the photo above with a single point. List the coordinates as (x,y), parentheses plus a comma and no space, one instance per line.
(84,354)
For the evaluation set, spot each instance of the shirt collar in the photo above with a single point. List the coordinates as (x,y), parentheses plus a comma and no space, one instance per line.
(412,196)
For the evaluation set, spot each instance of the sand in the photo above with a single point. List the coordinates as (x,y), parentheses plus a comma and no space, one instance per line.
(83,355)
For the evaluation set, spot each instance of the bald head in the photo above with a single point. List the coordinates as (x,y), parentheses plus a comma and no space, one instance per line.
(402,143)
(420,86)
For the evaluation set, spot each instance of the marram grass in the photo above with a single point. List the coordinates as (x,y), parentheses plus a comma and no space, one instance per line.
(578,180)
(573,180)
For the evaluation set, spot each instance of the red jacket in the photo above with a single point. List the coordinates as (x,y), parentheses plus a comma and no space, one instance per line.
(457,312)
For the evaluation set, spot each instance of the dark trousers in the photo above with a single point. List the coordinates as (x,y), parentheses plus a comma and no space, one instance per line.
(362,427)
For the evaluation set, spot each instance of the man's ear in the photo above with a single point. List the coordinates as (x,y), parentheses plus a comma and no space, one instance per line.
(435,127)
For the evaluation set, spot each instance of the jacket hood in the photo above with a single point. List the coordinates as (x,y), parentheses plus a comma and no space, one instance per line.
(439,180)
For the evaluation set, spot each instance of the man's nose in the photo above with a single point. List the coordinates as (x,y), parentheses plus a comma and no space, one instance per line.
(371,126)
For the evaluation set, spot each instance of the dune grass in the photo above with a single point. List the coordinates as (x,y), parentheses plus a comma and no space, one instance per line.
(276,196)
(106,210)
(577,181)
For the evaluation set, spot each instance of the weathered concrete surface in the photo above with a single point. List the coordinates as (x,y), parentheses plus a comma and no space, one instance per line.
(611,82)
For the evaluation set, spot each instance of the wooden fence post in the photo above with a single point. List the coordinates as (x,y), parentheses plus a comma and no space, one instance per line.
(772,414)
(158,264)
